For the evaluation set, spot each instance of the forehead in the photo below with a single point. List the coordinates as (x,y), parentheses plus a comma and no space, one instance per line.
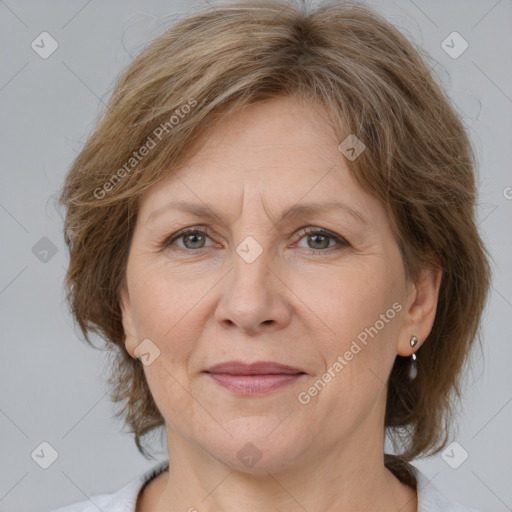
(279,151)
(282,120)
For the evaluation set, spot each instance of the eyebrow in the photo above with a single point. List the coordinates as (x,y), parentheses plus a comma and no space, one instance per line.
(294,211)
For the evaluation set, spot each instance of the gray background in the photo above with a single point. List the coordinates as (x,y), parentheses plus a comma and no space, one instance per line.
(51,383)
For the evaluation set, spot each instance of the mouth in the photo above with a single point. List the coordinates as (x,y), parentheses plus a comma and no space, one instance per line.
(255,378)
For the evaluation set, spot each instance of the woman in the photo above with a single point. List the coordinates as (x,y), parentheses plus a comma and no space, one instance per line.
(273,223)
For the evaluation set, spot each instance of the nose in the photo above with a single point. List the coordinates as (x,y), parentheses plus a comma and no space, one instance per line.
(254,295)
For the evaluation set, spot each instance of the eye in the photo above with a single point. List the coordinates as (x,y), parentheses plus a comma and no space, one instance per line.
(321,239)
(193,238)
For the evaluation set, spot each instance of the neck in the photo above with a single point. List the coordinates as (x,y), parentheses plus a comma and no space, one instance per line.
(343,480)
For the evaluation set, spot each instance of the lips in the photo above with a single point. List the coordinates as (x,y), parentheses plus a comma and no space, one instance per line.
(256,368)
(255,378)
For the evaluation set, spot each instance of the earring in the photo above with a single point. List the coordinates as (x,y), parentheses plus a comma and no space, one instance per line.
(413,370)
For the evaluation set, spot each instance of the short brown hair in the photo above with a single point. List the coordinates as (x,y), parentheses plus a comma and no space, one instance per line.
(375,84)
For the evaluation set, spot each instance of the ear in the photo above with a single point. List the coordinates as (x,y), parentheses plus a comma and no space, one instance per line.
(420,310)
(131,340)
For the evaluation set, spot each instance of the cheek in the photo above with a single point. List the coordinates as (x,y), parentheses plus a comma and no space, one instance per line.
(356,300)
(163,308)
(361,309)
(160,298)
(359,352)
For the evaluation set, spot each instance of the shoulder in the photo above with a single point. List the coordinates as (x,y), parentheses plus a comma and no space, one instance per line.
(430,498)
(123,500)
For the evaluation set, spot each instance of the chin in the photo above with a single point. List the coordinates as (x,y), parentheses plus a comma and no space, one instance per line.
(257,446)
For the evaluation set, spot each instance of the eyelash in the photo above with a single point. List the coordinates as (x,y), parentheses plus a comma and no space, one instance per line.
(303,232)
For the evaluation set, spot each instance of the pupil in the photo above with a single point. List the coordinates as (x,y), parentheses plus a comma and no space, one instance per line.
(322,237)
(197,237)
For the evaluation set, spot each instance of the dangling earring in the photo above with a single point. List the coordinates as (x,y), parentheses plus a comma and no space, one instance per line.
(413,370)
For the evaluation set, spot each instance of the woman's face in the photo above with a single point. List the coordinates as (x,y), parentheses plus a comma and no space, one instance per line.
(251,285)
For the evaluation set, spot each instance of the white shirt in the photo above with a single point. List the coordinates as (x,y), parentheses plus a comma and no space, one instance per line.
(430,498)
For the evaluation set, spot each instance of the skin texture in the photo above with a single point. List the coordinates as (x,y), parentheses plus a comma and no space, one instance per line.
(206,304)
